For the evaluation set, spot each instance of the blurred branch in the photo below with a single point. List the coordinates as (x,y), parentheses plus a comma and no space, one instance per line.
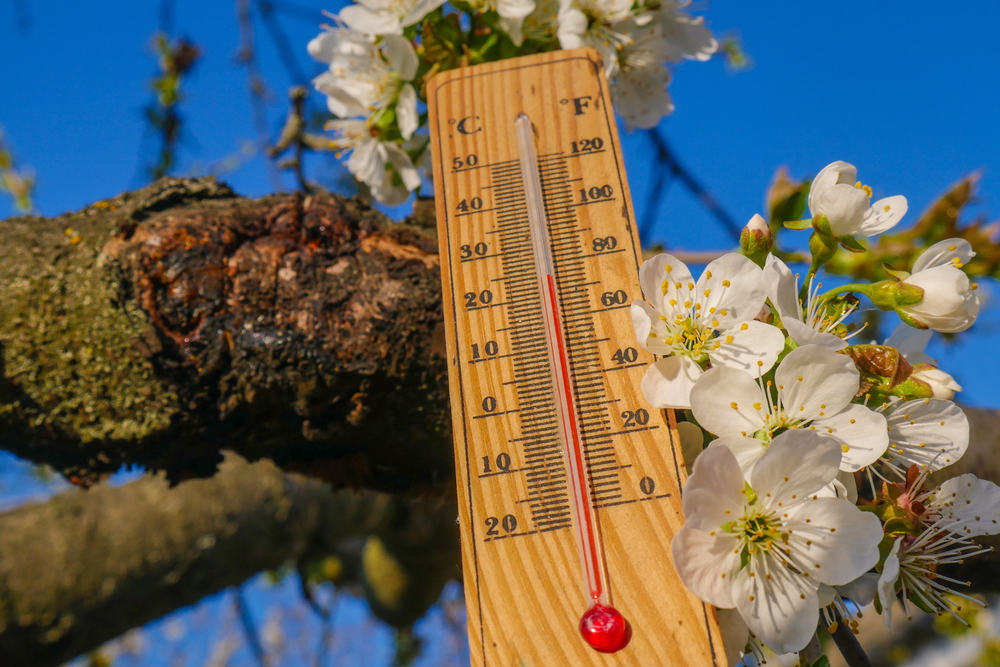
(666,155)
(285,51)
(309,15)
(22,14)
(17,182)
(294,134)
(257,89)
(175,61)
(850,647)
(250,628)
(83,568)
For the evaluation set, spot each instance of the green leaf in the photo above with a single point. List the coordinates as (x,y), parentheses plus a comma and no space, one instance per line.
(906,525)
(822,661)
(798,225)
(851,243)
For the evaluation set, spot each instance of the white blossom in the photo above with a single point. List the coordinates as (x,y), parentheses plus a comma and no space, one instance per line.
(692,324)
(950,303)
(512,15)
(765,545)
(968,505)
(912,567)
(814,326)
(911,343)
(386,17)
(815,389)
(595,23)
(365,78)
(846,203)
(640,89)
(685,37)
(930,433)
(371,158)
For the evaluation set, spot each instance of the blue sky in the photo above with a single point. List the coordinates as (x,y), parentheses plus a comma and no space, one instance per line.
(905,91)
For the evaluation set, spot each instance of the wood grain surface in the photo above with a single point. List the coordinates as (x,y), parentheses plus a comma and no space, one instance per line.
(523,583)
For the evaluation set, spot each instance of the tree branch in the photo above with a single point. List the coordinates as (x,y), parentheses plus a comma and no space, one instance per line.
(84,568)
(162,327)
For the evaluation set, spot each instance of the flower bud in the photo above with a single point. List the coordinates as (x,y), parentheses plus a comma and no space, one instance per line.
(756,239)
(941,384)
(949,303)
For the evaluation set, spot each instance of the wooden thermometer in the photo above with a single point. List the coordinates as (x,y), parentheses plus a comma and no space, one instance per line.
(569,485)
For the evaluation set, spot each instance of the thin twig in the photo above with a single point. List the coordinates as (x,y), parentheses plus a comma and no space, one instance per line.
(849,645)
(247,55)
(691,183)
(656,194)
(297,11)
(281,42)
(250,630)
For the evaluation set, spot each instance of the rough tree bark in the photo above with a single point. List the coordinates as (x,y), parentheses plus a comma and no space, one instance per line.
(161,327)
(83,568)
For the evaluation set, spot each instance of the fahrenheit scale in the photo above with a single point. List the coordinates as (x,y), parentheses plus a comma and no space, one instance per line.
(569,485)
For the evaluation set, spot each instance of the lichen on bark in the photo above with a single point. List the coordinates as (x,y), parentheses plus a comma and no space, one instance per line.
(163,326)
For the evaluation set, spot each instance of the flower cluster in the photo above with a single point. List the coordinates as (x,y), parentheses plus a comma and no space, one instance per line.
(381,52)
(811,489)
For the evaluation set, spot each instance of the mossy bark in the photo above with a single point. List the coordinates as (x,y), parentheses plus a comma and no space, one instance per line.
(83,568)
(164,326)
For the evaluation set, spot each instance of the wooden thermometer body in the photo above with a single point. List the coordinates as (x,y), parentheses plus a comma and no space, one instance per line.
(523,582)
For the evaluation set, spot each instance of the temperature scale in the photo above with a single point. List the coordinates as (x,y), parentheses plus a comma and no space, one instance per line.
(568,483)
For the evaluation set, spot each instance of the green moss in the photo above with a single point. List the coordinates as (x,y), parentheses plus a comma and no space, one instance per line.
(72,367)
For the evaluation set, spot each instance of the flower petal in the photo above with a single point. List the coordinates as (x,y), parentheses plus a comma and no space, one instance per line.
(658,277)
(707,564)
(862,590)
(782,289)
(779,605)
(406,112)
(883,215)
(403,165)
(845,207)
(713,495)
(731,290)
(797,464)
(362,19)
(745,345)
(746,450)
(974,503)
(833,173)
(862,433)
(692,443)
(908,340)
(648,329)
(668,382)
(735,634)
(803,334)
(931,433)
(833,540)
(887,582)
(814,379)
(401,56)
(943,253)
(725,402)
